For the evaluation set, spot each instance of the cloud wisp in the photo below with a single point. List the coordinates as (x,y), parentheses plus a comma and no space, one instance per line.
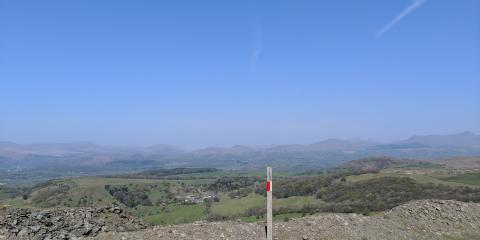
(257,50)
(414,6)
(253,61)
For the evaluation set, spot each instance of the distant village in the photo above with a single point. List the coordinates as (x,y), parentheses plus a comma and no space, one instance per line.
(199,198)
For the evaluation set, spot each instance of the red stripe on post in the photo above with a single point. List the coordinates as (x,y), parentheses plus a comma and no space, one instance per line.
(268,188)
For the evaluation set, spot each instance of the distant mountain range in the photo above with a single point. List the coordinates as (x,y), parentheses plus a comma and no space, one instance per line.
(86,156)
(464,139)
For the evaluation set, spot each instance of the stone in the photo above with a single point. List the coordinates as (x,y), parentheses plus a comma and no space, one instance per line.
(65,223)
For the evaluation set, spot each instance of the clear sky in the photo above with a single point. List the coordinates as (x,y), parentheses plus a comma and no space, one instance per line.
(200,73)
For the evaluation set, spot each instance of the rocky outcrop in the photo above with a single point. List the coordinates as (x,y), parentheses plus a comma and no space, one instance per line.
(424,219)
(64,223)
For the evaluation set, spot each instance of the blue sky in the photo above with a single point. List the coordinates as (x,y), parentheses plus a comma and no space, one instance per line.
(201,73)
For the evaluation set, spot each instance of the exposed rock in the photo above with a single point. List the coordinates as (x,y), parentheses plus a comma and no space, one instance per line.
(409,221)
(424,219)
(71,223)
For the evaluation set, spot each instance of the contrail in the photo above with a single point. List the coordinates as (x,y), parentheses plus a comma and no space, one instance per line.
(414,6)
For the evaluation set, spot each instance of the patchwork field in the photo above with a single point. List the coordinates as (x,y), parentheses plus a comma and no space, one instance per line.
(228,195)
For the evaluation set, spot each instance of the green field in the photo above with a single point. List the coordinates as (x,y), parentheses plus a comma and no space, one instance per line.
(166,197)
(436,178)
(467,178)
(90,191)
(173,214)
(228,206)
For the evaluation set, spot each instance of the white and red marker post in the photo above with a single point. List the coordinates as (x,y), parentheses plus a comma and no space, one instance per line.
(269,204)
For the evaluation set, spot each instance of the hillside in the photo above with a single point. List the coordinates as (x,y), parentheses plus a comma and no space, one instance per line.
(424,219)
(459,162)
(379,163)
(183,195)
(427,219)
(166,197)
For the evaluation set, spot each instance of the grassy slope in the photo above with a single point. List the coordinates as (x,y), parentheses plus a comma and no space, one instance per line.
(174,214)
(92,189)
(419,177)
(467,178)
(228,206)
